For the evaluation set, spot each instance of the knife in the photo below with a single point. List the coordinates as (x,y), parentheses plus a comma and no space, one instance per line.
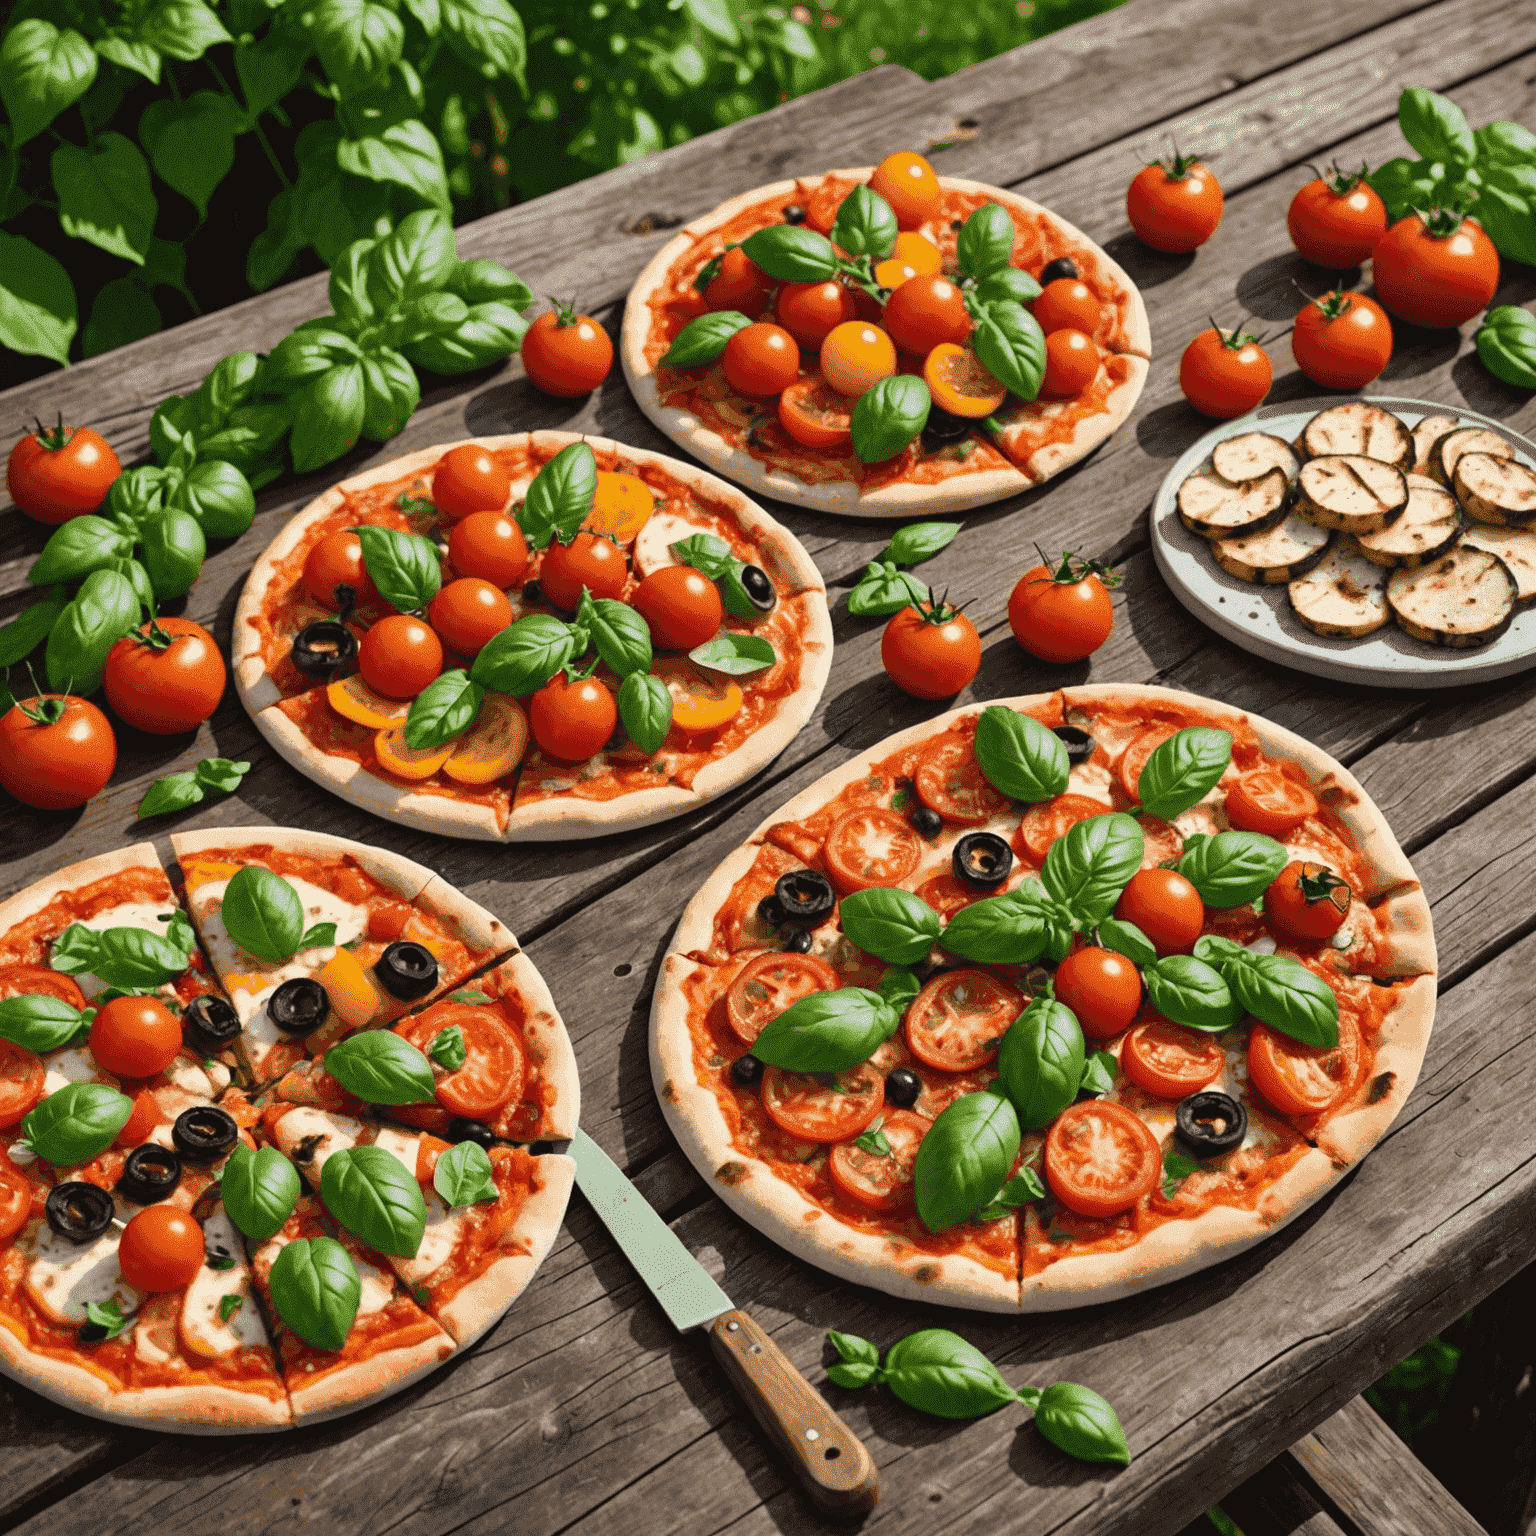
(825,1455)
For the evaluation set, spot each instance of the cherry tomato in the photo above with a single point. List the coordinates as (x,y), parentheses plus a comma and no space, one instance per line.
(740,284)
(1225,373)
(1102,988)
(856,355)
(908,183)
(1304,1079)
(1337,218)
(493,1069)
(1134,758)
(1050,819)
(1342,340)
(1267,801)
(813,413)
(808,311)
(589,561)
(161,1249)
(1307,901)
(16,1200)
(1169,1060)
(399,656)
(917,252)
(1166,907)
(469,479)
(931,652)
(681,605)
(925,311)
(1067,305)
(1071,364)
(21,980)
(338,560)
(56,751)
(1438,273)
(1100,1159)
(811,1108)
(145,1117)
(881,1180)
(21,1081)
(1174,205)
(1062,613)
(771,982)
(135,1037)
(468,613)
(489,545)
(60,472)
(949,780)
(168,677)
(960,384)
(870,846)
(959,1019)
(760,360)
(566,354)
(572,720)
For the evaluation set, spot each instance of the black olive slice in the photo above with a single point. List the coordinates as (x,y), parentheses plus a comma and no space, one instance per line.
(943,428)
(406,970)
(461,1128)
(204,1132)
(770,912)
(755,583)
(982,860)
(209,1024)
(299,1006)
(150,1174)
(927,822)
(794,214)
(1063,266)
(1211,1123)
(806,896)
(92,1333)
(902,1087)
(747,1071)
(1079,744)
(79,1211)
(797,940)
(323,648)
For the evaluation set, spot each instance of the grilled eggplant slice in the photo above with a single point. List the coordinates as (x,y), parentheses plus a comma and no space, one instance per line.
(1429,432)
(1429,526)
(1450,446)
(1516,547)
(1462,599)
(1282,553)
(1358,427)
(1252,455)
(1213,508)
(1351,491)
(1343,594)
(1497,491)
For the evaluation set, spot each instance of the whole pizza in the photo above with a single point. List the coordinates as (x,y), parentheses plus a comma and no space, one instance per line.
(276,1188)
(542,636)
(1048,1001)
(885,342)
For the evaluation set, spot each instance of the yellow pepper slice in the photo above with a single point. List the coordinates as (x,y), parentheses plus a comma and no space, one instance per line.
(620,507)
(407,762)
(493,745)
(352,697)
(353,997)
(699,703)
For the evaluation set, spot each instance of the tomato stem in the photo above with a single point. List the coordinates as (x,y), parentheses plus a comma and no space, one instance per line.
(565,310)
(43,708)
(1072,568)
(1441,223)
(1176,167)
(1324,886)
(1237,338)
(1339,181)
(55,437)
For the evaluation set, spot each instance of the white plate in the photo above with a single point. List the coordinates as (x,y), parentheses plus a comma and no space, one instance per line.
(1259,618)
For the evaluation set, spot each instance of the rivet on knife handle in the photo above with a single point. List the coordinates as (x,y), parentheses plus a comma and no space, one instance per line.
(828,1458)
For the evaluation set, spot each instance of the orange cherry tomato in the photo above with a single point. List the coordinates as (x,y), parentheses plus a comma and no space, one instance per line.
(856,355)
(1174,205)
(60,472)
(1342,340)
(1071,364)
(891,273)
(761,360)
(924,312)
(1062,613)
(1225,373)
(810,311)
(621,507)
(882,1181)
(740,284)
(813,413)
(491,546)
(949,780)
(700,702)
(1337,218)
(135,1037)
(566,354)
(770,983)
(1269,801)
(681,605)
(1067,305)
(15,1200)
(161,1249)
(21,1081)
(588,561)
(55,752)
(960,384)
(493,1069)
(1102,988)
(908,183)
(1100,1159)
(399,656)
(1050,819)
(1169,1060)
(1303,1079)
(1166,907)
(1436,273)
(468,613)
(870,846)
(918,252)
(959,1019)
(931,653)
(336,560)
(468,479)
(1307,901)
(811,1108)
(572,720)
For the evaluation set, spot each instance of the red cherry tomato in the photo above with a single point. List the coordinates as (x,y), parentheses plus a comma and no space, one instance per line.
(335,561)
(771,982)
(572,720)
(959,1019)
(1267,801)
(1166,907)
(681,605)
(1100,1159)
(1062,613)
(1050,819)
(1305,1079)
(589,561)
(566,354)
(931,653)
(808,311)
(399,656)
(870,846)
(881,1180)
(1169,1060)
(1071,364)
(1438,273)
(55,752)
(908,183)
(1225,373)
(57,473)
(161,1249)
(1102,988)
(1342,340)
(167,678)
(21,1081)
(1067,305)
(469,479)
(925,311)
(1174,205)
(814,413)
(1336,219)
(739,284)
(135,1037)
(489,545)
(1307,901)
(822,1107)
(761,360)
(468,613)
(16,1199)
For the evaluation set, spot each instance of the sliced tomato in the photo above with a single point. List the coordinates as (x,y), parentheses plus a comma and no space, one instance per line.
(768,984)
(871,846)
(1305,1079)
(145,1117)
(813,413)
(1169,1060)
(881,1180)
(387,920)
(1100,1159)
(1267,801)
(40,980)
(1135,756)
(16,1200)
(810,1108)
(959,1019)
(493,1067)
(946,895)
(949,780)
(1050,819)
(21,1081)
(425,1117)
(699,702)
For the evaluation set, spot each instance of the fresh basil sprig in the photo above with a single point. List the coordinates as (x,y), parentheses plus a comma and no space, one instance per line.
(1128,940)
(1011,929)
(23,634)
(916,542)
(75,1124)
(381,1068)
(883,590)
(447,1048)
(1182,770)
(1019,755)
(827,1031)
(1098,1073)
(888,415)
(405,567)
(525,655)
(559,499)
(1079,1421)
(1092,862)
(178,791)
(865,224)
(899,987)
(1011,347)
(1507,345)
(1232,868)
(735,654)
(701,341)
(107,1316)
(1276,989)
(889,923)
(38,1021)
(316,1289)
(259,1190)
(445,708)
(792,254)
(986,241)
(127,959)
(104,610)
(645,710)
(1187,991)
(618,633)
(463,1175)
(1040,1062)
(370,1193)
(263,913)
(1023,1187)
(963,1158)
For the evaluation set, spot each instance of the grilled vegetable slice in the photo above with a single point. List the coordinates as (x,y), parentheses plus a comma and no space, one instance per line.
(1464,598)
(1429,526)
(1213,508)
(1282,553)
(1351,491)
(1358,427)
(1450,446)
(1516,547)
(1498,491)
(1252,454)
(1343,594)
(1425,435)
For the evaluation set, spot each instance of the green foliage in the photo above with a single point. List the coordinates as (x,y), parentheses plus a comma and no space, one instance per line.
(1410,1396)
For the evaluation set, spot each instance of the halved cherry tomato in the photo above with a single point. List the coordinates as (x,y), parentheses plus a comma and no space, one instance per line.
(468,613)
(566,354)
(681,605)
(489,545)
(1134,758)
(1304,1079)
(807,1107)
(768,984)
(1225,373)
(946,895)
(397,756)
(587,561)
(1062,612)
(1067,305)
(1100,1159)
(1435,272)
(1174,205)
(494,1068)
(959,383)
(959,1019)
(1307,901)
(56,752)
(145,1117)
(881,1180)
(856,355)
(949,780)
(1269,801)
(1071,364)
(813,413)
(760,360)
(621,508)
(166,677)
(871,846)
(908,183)
(1169,1060)
(60,472)
(161,1249)
(930,652)
(1166,907)
(25,980)
(16,1199)
(926,311)
(810,311)
(468,479)
(135,1037)
(399,656)
(21,1081)
(572,720)
(493,746)
(1337,218)
(1050,819)
(337,560)
(1102,988)
(353,699)
(740,284)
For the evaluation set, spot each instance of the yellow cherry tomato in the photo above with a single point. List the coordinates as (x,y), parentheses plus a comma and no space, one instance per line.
(918,252)
(407,762)
(621,507)
(893,272)
(856,355)
(699,702)
(959,384)
(908,183)
(493,745)
(352,697)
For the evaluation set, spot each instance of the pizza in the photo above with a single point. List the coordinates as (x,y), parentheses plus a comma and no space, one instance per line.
(900,365)
(278,1175)
(957,1025)
(542,636)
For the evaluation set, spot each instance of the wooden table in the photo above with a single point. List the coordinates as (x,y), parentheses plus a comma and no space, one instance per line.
(583,1410)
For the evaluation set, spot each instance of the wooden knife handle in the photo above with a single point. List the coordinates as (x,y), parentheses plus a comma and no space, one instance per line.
(828,1458)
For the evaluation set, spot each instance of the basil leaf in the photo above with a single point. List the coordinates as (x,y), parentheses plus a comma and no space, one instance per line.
(391,394)
(463,1175)
(75,1124)
(1506,343)
(259,1190)
(708,555)
(78,547)
(1128,940)
(1435,126)
(1232,868)
(1078,1421)
(228,1306)
(1284,994)
(370,1193)
(1019,755)
(1176,1167)
(734,654)
(320,934)
(865,224)
(303,356)
(315,1288)
(107,1317)
(890,924)
(404,566)
(328,417)
(827,1031)
(1183,770)
(468,995)
(873,1140)
(963,1158)
(130,959)
(1218,952)
(524,656)
(1404,185)
(1023,1187)
(1011,346)
(447,1049)
(1188,991)
(220,775)
(29,628)
(1506,202)
(1011,929)
(919,541)
(1098,1073)
(1007,285)
(445,708)
(1092,862)
(136,493)
(888,415)
(560,498)
(173,550)
(860,1361)
(263,913)
(1040,1062)
(39,1022)
(178,929)
(104,610)
(75,950)
(937,1372)
(219,497)
(381,1068)
(701,341)
(619,634)
(645,710)
(791,253)
(178,791)
(884,590)
(986,241)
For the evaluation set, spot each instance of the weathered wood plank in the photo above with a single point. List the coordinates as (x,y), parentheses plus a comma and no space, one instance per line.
(1275,1502)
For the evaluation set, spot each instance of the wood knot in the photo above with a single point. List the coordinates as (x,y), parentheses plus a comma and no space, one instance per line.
(650,223)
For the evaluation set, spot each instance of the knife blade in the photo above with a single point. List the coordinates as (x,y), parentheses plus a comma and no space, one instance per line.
(827,1458)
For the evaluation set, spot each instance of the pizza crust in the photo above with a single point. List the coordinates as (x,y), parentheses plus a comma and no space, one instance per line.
(402,875)
(548,1041)
(360,1383)
(1092,430)
(28,903)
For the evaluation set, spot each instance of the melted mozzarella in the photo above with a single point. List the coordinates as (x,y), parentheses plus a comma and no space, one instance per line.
(400,1145)
(153,917)
(189,1077)
(335,1133)
(63,1278)
(378,1288)
(203,1331)
(438,1241)
(72,1066)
